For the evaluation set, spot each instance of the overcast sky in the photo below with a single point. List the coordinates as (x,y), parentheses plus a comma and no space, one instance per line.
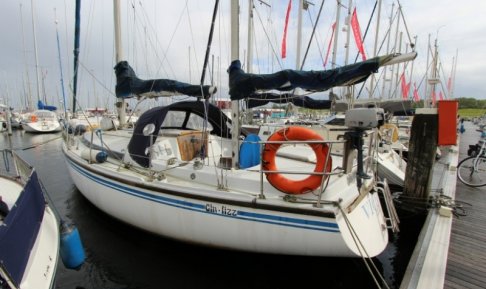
(167,39)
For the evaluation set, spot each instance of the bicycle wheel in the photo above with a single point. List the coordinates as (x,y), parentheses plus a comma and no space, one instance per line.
(472,171)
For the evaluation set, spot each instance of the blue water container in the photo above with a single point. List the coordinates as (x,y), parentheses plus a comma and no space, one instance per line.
(72,251)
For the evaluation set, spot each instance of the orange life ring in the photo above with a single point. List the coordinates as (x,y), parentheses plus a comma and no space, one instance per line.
(33,118)
(281,183)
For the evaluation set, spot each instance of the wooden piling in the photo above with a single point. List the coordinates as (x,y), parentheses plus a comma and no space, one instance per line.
(422,152)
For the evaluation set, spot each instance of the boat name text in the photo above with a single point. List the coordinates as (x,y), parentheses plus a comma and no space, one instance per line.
(223,210)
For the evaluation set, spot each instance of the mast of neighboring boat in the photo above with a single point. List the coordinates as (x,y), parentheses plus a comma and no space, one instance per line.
(375,47)
(453,76)
(35,51)
(383,86)
(426,86)
(30,107)
(336,36)
(60,67)
(347,89)
(396,49)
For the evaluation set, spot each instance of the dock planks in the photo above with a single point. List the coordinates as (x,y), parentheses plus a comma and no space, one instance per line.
(466,262)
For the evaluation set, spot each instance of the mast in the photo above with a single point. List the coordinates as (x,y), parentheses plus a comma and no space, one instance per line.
(30,106)
(235,113)
(60,68)
(387,51)
(121,104)
(395,49)
(375,47)
(336,36)
(347,89)
(299,35)
(426,100)
(249,56)
(453,76)
(77,31)
(35,50)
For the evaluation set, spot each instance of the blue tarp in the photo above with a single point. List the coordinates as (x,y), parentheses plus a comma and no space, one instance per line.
(20,229)
(129,85)
(41,105)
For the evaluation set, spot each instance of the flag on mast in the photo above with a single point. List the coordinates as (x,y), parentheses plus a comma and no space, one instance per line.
(329,45)
(357,34)
(284,40)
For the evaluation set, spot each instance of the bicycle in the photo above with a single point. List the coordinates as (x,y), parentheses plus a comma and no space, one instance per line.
(472,170)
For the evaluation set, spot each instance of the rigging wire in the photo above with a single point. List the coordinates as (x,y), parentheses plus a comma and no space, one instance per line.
(268,39)
(210,40)
(312,34)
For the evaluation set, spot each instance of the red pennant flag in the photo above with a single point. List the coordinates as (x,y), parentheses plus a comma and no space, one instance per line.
(357,34)
(329,45)
(416,96)
(284,40)
(449,84)
(441,97)
(405,86)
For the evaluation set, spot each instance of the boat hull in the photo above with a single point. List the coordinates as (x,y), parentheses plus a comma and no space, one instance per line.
(41,127)
(183,214)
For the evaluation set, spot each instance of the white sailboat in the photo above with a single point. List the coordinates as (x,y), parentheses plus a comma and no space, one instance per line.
(173,175)
(43,120)
(29,230)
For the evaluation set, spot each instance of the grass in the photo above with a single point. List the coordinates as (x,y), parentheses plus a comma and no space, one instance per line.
(471,112)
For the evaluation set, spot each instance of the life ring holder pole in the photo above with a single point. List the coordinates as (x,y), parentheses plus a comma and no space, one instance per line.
(263,172)
(319,198)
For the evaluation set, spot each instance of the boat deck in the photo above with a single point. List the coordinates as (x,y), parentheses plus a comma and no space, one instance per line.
(466,262)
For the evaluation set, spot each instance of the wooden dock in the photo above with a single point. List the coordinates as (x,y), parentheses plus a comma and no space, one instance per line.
(451,251)
(466,262)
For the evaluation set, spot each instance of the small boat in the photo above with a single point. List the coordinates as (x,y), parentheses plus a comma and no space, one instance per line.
(42,121)
(29,231)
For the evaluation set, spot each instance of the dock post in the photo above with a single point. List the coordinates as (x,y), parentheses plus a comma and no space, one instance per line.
(422,152)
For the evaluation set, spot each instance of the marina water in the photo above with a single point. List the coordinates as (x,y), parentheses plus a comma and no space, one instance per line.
(120,256)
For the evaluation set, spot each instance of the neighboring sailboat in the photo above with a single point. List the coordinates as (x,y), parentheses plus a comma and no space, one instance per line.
(173,175)
(43,120)
(29,231)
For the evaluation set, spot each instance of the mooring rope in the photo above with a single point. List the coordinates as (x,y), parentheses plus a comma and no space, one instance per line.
(362,251)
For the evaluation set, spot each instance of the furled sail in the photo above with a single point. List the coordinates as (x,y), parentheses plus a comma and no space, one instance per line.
(129,85)
(243,85)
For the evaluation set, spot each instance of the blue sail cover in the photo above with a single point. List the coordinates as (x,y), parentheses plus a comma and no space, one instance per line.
(129,85)
(243,84)
(20,229)
(41,105)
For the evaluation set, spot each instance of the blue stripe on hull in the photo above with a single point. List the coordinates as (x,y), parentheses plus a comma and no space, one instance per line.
(242,215)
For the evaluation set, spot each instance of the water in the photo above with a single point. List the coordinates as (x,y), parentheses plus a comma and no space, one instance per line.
(120,256)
